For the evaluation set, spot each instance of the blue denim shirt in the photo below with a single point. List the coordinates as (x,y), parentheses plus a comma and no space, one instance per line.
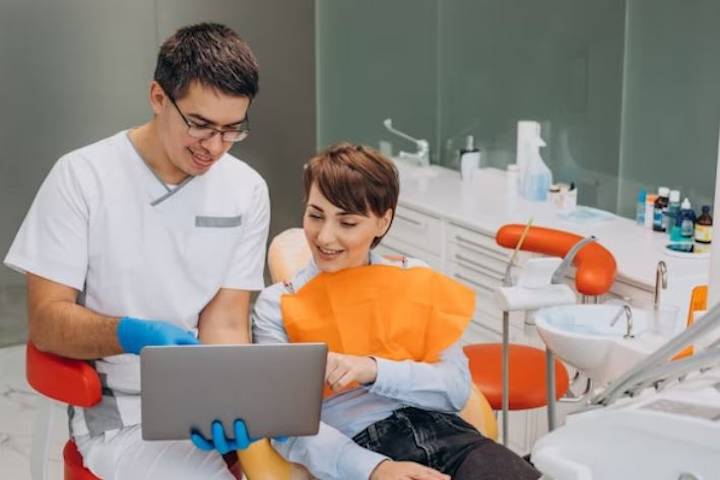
(332,454)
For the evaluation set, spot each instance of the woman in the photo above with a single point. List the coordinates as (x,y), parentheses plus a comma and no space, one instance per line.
(396,375)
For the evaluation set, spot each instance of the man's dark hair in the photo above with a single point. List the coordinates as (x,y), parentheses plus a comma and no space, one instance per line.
(211,54)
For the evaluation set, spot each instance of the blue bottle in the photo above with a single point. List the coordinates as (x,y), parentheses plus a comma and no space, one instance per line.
(686,220)
(640,208)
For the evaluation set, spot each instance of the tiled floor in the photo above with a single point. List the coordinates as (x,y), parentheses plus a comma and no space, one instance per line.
(19,407)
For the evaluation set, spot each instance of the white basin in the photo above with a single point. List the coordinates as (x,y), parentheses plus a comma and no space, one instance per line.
(582,336)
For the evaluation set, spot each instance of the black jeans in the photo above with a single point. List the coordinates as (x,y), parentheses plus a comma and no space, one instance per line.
(445,442)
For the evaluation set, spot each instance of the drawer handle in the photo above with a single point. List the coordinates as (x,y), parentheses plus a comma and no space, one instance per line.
(463,259)
(482,247)
(473,282)
(410,220)
(480,272)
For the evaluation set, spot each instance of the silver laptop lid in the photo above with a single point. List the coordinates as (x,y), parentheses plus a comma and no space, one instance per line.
(275,388)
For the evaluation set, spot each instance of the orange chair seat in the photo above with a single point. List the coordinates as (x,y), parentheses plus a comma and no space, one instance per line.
(74,469)
(527,375)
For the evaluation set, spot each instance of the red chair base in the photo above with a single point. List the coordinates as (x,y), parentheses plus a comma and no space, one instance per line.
(74,469)
(527,375)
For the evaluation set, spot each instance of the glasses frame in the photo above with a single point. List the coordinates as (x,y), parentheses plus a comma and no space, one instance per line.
(243,132)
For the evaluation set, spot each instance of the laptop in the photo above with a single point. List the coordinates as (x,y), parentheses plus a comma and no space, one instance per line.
(277,389)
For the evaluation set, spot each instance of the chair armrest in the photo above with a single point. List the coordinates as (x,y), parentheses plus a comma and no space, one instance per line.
(67,380)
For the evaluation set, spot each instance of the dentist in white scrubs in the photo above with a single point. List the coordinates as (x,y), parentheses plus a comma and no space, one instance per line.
(153,236)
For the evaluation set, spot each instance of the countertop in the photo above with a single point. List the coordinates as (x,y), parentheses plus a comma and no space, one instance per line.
(487,202)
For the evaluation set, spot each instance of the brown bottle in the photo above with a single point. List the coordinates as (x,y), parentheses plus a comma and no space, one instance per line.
(703,226)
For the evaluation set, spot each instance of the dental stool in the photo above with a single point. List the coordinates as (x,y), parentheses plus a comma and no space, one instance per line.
(527,369)
(69,381)
(288,253)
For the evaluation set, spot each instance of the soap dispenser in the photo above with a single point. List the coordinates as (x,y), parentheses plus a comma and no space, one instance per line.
(535,176)
(469,159)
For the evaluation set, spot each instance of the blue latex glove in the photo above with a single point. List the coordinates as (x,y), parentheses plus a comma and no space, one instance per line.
(222,443)
(134,334)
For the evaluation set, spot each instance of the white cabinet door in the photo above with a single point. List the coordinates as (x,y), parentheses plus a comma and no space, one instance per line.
(411,227)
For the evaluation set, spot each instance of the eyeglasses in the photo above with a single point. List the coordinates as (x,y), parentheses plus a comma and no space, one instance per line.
(203,132)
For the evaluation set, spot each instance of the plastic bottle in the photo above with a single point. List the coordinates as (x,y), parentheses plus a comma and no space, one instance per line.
(469,159)
(703,226)
(535,176)
(686,221)
(660,209)
(672,211)
(640,208)
(649,209)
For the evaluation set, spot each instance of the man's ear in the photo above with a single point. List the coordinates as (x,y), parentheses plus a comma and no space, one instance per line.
(157,97)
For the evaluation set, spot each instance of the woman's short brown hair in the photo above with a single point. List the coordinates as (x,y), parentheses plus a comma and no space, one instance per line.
(355,178)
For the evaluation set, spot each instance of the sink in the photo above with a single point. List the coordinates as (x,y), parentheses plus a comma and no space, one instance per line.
(581,335)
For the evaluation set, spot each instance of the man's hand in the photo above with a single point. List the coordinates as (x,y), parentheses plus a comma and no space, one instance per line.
(134,334)
(221,442)
(342,370)
(390,470)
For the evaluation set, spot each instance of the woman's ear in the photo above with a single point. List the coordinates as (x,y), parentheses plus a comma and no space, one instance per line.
(385,221)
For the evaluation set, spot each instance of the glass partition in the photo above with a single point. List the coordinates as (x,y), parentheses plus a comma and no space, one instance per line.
(626,91)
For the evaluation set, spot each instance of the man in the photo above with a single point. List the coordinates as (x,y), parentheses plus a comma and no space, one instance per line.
(145,238)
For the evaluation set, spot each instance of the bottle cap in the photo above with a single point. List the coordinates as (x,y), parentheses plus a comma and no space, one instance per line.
(706,209)
(674,195)
(663,191)
(650,198)
(686,205)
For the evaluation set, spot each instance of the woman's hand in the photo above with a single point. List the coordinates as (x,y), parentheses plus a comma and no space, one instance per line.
(341,370)
(390,470)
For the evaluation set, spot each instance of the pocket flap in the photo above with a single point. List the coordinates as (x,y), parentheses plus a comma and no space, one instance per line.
(218,222)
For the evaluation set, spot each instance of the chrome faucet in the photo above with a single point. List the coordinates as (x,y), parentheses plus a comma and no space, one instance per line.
(628,318)
(661,281)
(421,156)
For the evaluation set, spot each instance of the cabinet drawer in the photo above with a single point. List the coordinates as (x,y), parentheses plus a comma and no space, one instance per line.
(478,241)
(633,294)
(389,247)
(466,255)
(417,229)
(477,333)
(483,281)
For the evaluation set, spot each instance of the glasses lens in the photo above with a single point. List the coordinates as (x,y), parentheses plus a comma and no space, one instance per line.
(234,135)
(201,133)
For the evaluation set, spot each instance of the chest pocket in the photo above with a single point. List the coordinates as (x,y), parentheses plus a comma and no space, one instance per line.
(212,246)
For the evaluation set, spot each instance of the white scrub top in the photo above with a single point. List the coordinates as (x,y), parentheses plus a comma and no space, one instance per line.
(105,224)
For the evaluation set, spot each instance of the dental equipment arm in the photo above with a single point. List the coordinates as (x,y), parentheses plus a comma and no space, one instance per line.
(423,148)
(640,372)
(569,258)
(507,278)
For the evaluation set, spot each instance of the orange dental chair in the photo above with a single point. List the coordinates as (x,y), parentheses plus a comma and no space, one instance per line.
(525,371)
(288,253)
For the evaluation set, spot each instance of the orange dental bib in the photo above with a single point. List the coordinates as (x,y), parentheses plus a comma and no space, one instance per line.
(380,310)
